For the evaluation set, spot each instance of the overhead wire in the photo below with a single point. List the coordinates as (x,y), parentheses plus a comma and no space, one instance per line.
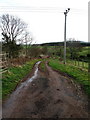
(38,9)
(29,9)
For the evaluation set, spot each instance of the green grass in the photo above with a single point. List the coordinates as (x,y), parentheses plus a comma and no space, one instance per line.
(79,64)
(14,75)
(85,51)
(80,76)
(42,66)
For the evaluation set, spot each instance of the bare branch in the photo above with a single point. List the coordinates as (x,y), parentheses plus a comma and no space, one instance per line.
(12,27)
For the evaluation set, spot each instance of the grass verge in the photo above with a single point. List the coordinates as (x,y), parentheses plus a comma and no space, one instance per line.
(79,64)
(80,76)
(14,75)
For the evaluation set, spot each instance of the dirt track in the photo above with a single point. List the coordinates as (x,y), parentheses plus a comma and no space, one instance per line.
(47,96)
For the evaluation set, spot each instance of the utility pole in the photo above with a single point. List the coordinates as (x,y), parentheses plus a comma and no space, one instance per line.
(65,13)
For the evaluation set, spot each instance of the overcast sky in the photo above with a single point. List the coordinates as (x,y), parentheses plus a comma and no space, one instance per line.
(45,18)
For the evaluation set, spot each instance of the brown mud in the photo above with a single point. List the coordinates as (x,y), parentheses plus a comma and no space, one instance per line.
(48,95)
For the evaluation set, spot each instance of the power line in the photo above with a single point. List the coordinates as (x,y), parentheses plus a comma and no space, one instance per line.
(28,8)
(41,11)
(31,11)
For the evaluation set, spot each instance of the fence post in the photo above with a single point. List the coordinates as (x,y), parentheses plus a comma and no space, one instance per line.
(82,63)
(75,62)
(8,60)
(78,62)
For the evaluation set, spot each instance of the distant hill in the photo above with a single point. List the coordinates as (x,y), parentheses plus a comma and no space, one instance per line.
(75,43)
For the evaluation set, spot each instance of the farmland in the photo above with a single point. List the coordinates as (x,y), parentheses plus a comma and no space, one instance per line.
(47,79)
(76,68)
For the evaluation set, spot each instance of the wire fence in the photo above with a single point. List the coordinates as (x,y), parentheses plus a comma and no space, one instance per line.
(4,63)
(80,64)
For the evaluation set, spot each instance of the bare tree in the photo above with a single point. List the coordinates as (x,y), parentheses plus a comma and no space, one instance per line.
(27,41)
(12,30)
(12,27)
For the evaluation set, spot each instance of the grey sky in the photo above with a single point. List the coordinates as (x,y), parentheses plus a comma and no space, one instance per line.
(46,18)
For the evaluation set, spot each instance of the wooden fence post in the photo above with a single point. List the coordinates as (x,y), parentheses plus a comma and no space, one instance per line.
(3,63)
(78,62)
(75,62)
(82,63)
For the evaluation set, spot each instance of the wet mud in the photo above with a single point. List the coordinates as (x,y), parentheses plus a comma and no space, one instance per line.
(46,96)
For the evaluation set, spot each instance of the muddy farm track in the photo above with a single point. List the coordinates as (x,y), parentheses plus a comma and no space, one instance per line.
(46,96)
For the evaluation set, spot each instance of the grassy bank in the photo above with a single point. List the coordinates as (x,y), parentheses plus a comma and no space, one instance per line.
(14,75)
(79,64)
(80,76)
